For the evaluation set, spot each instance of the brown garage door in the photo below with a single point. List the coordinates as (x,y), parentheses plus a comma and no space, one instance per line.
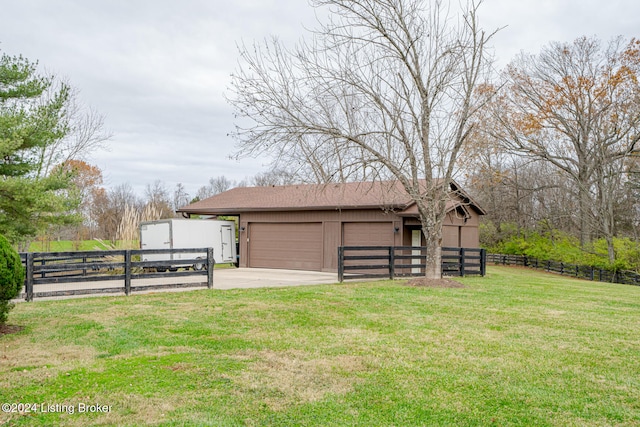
(296,246)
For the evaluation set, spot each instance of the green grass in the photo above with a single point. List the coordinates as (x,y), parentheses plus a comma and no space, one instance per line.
(71,245)
(517,347)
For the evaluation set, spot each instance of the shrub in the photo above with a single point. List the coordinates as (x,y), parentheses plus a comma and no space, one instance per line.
(561,247)
(492,235)
(11,277)
(627,253)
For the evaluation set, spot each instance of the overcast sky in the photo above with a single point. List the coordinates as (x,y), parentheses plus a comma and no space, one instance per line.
(158,69)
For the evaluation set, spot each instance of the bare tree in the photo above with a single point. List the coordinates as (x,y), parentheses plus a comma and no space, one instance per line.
(216,185)
(520,193)
(576,107)
(157,199)
(180,197)
(273,177)
(630,205)
(383,90)
(83,131)
(111,206)
(86,180)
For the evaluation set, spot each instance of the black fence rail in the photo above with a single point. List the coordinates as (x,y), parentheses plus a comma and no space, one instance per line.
(579,271)
(363,262)
(463,261)
(85,268)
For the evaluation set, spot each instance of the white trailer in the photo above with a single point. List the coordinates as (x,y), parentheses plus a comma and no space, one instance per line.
(189,233)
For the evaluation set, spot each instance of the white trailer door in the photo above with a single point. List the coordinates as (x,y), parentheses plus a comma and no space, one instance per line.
(228,243)
(156,236)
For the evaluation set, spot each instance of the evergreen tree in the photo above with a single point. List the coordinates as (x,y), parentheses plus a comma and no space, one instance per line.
(33,116)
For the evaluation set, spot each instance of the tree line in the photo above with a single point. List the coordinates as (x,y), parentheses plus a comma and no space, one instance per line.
(556,149)
(114,214)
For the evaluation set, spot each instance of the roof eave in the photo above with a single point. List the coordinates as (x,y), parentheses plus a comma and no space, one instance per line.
(236,211)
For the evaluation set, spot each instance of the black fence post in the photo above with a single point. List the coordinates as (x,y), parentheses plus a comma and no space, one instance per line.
(392,263)
(28,286)
(483,262)
(210,266)
(340,264)
(127,272)
(461,259)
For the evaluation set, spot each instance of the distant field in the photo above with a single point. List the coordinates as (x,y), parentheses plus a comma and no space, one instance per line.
(79,245)
(517,347)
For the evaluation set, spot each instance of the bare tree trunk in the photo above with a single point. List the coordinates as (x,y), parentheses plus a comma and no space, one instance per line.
(432,210)
(584,204)
(433,239)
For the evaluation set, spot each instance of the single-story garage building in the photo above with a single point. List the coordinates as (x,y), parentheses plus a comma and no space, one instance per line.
(300,227)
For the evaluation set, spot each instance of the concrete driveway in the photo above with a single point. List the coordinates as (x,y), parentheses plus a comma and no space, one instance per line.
(223,278)
(233,278)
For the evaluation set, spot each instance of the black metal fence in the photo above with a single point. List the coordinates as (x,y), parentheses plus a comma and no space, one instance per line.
(361,262)
(86,269)
(579,271)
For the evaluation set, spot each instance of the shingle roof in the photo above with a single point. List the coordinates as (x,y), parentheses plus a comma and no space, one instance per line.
(356,195)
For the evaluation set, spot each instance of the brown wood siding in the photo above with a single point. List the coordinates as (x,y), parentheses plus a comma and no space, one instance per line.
(296,246)
(368,234)
(450,236)
(332,239)
(469,237)
(357,215)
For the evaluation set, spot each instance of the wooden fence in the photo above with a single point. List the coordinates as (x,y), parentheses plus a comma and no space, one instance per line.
(579,271)
(86,268)
(360,262)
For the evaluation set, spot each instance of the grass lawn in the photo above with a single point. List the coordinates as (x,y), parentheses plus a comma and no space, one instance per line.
(517,347)
(80,245)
